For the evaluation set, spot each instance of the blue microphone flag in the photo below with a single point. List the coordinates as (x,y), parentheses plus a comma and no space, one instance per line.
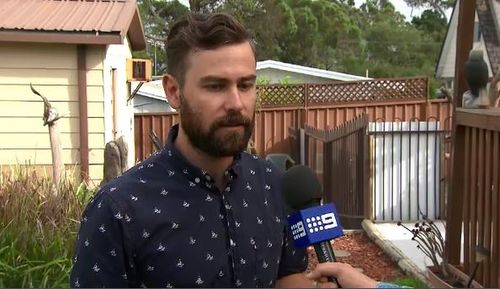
(314,225)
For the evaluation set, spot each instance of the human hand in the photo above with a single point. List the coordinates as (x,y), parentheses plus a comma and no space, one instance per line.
(347,276)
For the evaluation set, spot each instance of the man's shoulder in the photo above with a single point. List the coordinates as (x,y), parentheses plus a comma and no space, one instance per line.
(260,163)
(139,176)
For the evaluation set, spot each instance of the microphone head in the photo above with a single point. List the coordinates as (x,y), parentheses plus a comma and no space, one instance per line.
(314,225)
(301,188)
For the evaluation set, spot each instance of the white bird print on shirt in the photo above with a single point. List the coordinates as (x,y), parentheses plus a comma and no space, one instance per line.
(243,261)
(112,189)
(133,198)
(169,153)
(180,264)
(150,268)
(208,198)
(252,172)
(268,170)
(127,218)
(96,268)
(99,205)
(169,285)
(145,234)
(102,229)
(156,210)
(175,225)
(77,283)
(267,187)
(171,173)
(248,187)
(191,184)
(150,165)
(245,204)
(265,265)
(161,248)
(214,235)
(238,283)
(259,221)
(164,192)
(199,281)
(185,204)
(119,216)
(142,181)
(202,219)
(87,243)
(192,240)
(209,257)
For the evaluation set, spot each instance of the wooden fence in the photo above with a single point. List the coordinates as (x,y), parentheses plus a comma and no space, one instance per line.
(474,199)
(305,95)
(319,105)
(271,124)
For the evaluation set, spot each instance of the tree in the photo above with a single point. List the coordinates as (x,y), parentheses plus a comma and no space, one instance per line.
(437,5)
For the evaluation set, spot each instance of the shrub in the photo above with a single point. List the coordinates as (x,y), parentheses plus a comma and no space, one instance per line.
(38,225)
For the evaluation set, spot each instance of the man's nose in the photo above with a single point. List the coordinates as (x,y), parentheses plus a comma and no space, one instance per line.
(233,101)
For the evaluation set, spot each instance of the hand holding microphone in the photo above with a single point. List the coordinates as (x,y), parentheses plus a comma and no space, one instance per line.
(313,224)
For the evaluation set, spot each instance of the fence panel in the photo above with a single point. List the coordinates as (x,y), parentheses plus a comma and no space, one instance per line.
(407,160)
(475,199)
(339,157)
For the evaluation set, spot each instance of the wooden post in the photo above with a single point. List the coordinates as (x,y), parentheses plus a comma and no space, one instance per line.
(465,33)
(50,117)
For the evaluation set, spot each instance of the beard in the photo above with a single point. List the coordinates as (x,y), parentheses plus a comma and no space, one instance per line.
(218,141)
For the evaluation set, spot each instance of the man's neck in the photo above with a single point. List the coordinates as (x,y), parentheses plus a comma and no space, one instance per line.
(215,166)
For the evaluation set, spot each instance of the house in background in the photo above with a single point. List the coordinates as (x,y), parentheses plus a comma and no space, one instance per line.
(74,53)
(151,97)
(487,24)
(274,72)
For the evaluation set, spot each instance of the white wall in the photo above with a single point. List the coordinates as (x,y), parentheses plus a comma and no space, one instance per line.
(116,58)
(405,170)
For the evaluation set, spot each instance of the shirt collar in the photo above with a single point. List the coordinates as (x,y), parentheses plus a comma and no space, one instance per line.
(194,173)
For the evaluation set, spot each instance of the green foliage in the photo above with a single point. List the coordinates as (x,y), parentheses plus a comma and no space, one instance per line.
(409,282)
(334,35)
(38,224)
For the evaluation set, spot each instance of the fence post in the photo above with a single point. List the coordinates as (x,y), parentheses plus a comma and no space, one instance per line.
(367,196)
(327,171)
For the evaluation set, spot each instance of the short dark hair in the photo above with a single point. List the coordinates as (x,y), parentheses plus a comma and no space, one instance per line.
(199,31)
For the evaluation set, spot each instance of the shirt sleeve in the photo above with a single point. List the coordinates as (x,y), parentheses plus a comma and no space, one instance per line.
(293,260)
(101,258)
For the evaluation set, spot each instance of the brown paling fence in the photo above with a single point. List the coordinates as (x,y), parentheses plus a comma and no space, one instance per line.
(299,105)
(474,199)
(342,165)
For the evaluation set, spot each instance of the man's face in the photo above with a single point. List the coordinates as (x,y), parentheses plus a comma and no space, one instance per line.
(218,99)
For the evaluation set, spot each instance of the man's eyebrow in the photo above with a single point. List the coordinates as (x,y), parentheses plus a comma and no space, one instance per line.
(213,78)
(252,77)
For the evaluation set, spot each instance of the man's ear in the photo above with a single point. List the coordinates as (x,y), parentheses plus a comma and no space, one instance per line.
(172,90)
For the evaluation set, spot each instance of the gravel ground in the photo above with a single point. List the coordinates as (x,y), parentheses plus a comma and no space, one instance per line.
(366,255)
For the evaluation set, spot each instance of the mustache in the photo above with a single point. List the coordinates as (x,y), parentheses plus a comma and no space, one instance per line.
(233,119)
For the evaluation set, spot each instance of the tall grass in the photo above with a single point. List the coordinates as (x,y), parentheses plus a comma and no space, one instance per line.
(38,226)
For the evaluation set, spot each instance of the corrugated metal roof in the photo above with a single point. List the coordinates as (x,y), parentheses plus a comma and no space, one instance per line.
(82,16)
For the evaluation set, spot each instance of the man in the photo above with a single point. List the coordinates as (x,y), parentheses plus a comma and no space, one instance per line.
(199,213)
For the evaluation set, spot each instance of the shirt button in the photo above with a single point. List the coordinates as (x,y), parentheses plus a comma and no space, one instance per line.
(197,180)
(208,177)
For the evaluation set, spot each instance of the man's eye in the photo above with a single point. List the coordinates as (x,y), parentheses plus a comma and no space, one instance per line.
(245,86)
(215,86)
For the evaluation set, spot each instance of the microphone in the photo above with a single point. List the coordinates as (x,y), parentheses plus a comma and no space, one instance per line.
(312,223)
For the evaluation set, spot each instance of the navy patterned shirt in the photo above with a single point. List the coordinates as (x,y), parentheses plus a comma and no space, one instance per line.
(164,223)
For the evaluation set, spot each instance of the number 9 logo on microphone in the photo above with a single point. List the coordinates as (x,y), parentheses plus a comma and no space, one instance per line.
(320,223)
